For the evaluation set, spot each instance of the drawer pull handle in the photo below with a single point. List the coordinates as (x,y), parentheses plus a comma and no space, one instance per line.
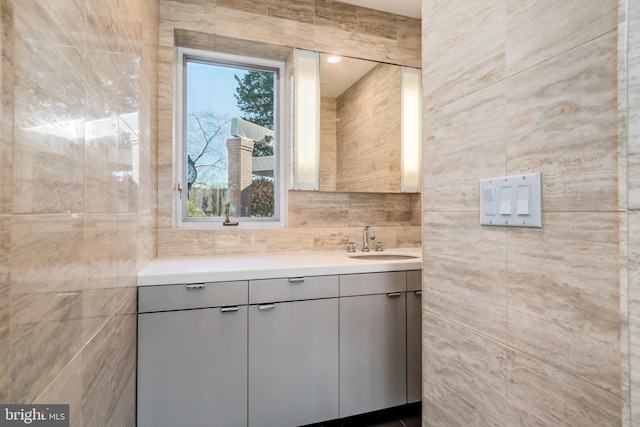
(228,309)
(394,294)
(266,307)
(419,293)
(296,279)
(196,286)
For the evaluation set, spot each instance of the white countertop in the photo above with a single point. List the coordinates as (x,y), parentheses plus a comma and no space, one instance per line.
(223,268)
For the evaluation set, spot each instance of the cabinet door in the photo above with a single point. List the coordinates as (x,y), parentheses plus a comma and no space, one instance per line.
(293,363)
(192,368)
(373,368)
(414,346)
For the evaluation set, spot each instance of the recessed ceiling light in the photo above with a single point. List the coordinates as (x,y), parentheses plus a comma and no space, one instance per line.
(333,59)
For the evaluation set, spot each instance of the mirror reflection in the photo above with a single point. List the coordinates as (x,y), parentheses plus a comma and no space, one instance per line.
(360,136)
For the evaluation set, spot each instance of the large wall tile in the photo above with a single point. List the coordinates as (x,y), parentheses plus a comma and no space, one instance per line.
(363,46)
(48,173)
(295,10)
(327,209)
(124,414)
(103,25)
(147,239)
(242,25)
(629,109)
(339,15)
(128,174)
(57,241)
(67,388)
(537,31)
(564,295)
(465,142)
(127,250)
(49,126)
(634,313)
(428,419)
(32,308)
(197,15)
(563,123)
(7,84)
(101,156)
(109,363)
(376,23)
(100,251)
(633,104)
(79,100)
(39,351)
(463,374)
(368,132)
(5,305)
(258,7)
(297,204)
(173,242)
(465,275)
(63,23)
(262,241)
(463,48)
(408,237)
(540,395)
(409,42)
(546,72)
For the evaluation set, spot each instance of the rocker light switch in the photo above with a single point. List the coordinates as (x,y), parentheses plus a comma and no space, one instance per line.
(511,201)
(522,207)
(489,200)
(505,201)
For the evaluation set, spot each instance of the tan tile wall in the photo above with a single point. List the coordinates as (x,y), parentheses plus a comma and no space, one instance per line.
(368,132)
(317,221)
(521,326)
(77,200)
(629,104)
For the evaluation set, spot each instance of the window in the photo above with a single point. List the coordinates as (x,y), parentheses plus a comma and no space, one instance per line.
(228,142)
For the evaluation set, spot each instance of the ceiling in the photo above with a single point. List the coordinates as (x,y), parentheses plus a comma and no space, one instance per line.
(411,8)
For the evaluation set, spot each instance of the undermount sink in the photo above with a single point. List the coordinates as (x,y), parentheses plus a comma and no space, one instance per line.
(383,256)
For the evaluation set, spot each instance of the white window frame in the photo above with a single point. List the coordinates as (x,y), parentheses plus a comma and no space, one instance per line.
(179,147)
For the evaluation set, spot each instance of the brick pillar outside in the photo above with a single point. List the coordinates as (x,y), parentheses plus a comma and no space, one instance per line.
(240,166)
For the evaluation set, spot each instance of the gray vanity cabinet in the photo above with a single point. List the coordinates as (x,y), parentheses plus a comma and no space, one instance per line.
(278,352)
(293,351)
(372,342)
(414,336)
(192,364)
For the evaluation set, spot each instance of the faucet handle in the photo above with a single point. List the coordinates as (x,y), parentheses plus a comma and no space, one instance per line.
(379,246)
(351,247)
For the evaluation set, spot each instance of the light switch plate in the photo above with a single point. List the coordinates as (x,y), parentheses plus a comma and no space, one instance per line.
(511,201)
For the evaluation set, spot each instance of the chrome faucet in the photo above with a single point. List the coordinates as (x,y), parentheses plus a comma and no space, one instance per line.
(368,234)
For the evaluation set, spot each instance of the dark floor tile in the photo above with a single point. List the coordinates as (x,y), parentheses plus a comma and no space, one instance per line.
(414,421)
(394,423)
(401,416)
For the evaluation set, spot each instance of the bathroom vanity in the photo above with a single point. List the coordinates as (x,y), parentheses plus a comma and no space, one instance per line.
(277,340)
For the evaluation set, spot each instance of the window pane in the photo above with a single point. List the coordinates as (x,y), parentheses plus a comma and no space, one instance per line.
(230,139)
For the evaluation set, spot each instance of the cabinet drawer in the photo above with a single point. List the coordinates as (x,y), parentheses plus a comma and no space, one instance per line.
(373,283)
(292,289)
(414,280)
(201,295)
